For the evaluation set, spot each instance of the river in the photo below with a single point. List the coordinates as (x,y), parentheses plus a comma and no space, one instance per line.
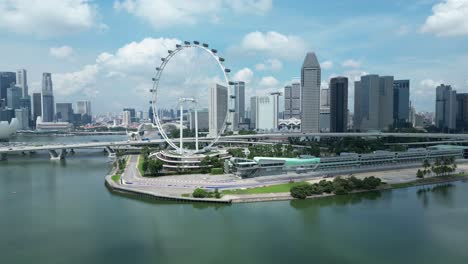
(61,212)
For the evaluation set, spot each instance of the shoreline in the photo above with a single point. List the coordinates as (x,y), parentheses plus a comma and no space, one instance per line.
(269,197)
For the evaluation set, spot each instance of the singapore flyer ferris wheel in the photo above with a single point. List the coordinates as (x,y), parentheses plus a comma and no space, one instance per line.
(158,96)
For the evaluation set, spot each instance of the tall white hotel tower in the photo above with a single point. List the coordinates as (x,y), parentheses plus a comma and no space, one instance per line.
(217,108)
(310,94)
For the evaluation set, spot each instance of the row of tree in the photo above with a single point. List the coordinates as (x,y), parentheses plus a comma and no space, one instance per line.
(150,167)
(441,167)
(338,186)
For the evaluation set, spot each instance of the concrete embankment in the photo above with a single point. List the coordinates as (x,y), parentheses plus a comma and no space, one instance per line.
(119,188)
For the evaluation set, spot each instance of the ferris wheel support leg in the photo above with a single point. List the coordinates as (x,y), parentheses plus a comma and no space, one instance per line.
(181,129)
(196,129)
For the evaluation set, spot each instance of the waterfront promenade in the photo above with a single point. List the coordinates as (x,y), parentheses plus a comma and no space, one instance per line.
(178,185)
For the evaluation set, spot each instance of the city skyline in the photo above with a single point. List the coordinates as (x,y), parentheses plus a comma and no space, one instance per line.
(391,47)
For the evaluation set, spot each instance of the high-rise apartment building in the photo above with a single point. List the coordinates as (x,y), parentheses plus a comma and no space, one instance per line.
(267,112)
(22,81)
(310,94)
(292,101)
(126,118)
(6,79)
(217,108)
(446,107)
(401,91)
(373,103)
(48,111)
(338,104)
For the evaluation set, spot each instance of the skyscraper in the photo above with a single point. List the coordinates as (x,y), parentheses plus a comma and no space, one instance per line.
(310,94)
(338,104)
(373,103)
(325,98)
(22,115)
(6,79)
(446,107)
(48,112)
(22,81)
(385,102)
(64,112)
(14,94)
(462,112)
(401,90)
(292,101)
(37,106)
(239,104)
(83,107)
(253,112)
(217,108)
(267,112)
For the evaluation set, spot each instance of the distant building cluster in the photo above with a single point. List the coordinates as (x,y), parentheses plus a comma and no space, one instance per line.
(38,111)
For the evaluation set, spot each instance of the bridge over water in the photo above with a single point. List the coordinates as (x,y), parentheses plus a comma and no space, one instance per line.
(59,151)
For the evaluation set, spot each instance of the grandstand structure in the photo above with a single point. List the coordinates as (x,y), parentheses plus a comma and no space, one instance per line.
(345,162)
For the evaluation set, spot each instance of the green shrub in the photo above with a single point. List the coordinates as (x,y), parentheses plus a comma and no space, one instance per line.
(301,191)
(200,193)
(217,171)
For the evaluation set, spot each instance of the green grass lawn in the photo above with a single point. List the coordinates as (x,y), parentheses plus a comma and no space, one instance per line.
(116,178)
(279,188)
(140,165)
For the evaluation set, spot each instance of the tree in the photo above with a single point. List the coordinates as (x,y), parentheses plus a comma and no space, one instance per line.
(300,191)
(144,166)
(420,174)
(155,166)
(200,193)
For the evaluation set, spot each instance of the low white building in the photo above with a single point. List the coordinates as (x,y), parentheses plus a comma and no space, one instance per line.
(53,126)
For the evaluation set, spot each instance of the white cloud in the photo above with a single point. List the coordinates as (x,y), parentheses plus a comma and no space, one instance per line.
(251,6)
(326,65)
(354,75)
(351,64)
(270,64)
(48,17)
(61,52)
(449,18)
(245,75)
(74,82)
(268,81)
(429,83)
(166,13)
(274,43)
(324,85)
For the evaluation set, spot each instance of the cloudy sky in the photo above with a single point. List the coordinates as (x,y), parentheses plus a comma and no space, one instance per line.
(106,51)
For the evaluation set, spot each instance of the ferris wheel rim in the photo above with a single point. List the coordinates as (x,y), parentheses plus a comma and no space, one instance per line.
(154,91)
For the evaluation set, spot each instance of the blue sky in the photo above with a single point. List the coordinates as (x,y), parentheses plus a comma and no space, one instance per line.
(105,51)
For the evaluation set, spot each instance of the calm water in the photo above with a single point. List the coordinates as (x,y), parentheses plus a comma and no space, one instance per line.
(61,212)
